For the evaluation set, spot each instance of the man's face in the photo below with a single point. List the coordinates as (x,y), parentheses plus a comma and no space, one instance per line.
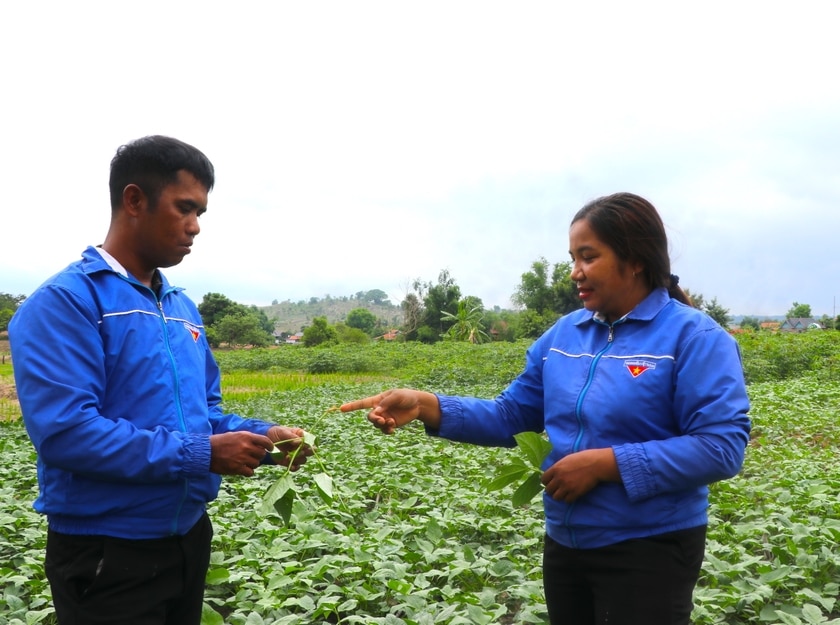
(167,228)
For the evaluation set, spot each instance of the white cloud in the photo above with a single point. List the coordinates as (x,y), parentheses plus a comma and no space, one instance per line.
(364,145)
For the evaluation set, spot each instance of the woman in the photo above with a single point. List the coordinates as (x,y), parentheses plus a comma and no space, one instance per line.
(643,399)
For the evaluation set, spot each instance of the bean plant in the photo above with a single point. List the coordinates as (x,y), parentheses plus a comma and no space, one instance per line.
(413,530)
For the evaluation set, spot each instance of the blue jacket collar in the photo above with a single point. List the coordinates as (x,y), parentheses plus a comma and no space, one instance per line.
(647,309)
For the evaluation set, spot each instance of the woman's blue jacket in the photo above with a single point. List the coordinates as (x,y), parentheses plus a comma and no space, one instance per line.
(662,386)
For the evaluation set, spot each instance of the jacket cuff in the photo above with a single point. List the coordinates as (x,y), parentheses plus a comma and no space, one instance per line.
(451,418)
(197,454)
(634,469)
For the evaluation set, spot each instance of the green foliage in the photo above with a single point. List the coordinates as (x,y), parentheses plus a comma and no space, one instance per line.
(713,308)
(437,299)
(346,334)
(8,305)
(525,469)
(750,323)
(799,311)
(547,290)
(214,306)
(717,312)
(362,319)
(466,324)
(319,333)
(769,356)
(234,324)
(239,329)
(405,531)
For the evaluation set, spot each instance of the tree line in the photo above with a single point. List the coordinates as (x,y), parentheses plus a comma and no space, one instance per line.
(433,311)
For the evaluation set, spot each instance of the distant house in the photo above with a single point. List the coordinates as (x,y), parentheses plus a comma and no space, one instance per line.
(391,335)
(294,339)
(800,324)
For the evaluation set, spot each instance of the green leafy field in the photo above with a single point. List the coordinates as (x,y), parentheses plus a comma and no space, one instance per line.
(413,535)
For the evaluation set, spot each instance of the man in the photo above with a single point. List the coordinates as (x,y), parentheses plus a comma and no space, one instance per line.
(120,395)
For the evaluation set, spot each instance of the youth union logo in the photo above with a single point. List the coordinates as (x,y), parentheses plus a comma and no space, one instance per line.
(195,332)
(638,367)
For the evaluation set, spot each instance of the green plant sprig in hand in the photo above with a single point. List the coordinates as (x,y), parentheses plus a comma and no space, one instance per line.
(525,468)
(281,495)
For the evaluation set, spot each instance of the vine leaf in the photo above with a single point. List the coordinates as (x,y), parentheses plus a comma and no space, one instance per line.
(536,447)
(280,496)
(527,490)
(525,469)
(324,486)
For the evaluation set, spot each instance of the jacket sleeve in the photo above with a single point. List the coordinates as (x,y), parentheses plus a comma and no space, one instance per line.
(60,374)
(710,404)
(494,422)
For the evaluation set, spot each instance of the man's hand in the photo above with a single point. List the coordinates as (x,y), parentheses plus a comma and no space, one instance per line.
(290,440)
(238,453)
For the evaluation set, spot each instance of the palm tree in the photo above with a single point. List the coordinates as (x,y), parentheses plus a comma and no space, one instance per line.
(466,324)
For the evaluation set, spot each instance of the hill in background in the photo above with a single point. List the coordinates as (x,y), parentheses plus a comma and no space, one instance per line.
(292,317)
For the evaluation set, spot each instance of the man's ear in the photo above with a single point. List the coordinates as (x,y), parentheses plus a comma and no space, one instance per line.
(134,200)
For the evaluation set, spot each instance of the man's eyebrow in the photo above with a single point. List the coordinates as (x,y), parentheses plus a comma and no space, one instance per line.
(193,204)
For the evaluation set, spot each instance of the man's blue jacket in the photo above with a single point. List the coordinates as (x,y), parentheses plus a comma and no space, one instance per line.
(120,393)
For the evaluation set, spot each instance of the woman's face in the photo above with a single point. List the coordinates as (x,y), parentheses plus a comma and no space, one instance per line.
(606,285)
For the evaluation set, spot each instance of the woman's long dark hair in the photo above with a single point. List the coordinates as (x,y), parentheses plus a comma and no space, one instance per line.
(633,229)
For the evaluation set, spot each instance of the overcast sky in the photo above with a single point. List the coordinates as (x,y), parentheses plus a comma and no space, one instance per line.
(362,145)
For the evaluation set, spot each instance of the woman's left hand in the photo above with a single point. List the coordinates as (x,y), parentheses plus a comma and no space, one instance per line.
(574,475)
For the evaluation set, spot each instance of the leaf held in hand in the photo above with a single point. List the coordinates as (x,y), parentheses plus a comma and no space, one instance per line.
(508,474)
(527,490)
(535,447)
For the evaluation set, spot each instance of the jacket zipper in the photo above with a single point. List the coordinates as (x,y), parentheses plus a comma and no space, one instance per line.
(578,406)
(176,385)
(177,392)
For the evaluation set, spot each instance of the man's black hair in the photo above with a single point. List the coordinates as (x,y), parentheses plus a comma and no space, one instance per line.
(154,162)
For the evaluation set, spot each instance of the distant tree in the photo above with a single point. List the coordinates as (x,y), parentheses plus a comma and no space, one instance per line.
(751,322)
(465,325)
(412,310)
(532,324)
(214,306)
(237,330)
(718,313)
(713,308)
(696,299)
(362,319)
(7,300)
(265,323)
(377,296)
(502,325)
(547,290)
(437,299)
(348,334)
(827,322)
(799,311)
(319,333)
(8,305)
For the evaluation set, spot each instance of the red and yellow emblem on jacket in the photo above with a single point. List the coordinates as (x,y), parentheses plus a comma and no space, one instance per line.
(638,367)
